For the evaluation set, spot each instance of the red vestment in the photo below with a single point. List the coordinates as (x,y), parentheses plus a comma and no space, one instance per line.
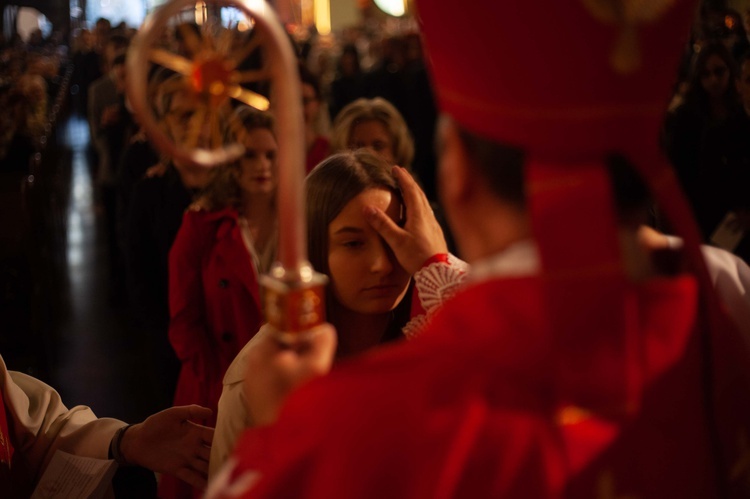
(6,452)
(472,408)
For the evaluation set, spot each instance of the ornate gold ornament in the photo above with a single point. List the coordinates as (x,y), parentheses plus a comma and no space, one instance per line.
(628,15)
(208,61)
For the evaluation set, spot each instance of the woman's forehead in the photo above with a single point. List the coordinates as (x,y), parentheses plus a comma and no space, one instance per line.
(378,197)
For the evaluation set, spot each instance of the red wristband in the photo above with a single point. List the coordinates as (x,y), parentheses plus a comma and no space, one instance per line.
(436,258)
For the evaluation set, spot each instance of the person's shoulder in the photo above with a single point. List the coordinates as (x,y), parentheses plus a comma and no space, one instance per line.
(199,209)
(723,265)
(197,232)
(238,368)
(199,216)
(196,218)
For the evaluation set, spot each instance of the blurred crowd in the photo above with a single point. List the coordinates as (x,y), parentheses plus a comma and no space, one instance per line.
(30,77)
(707,125)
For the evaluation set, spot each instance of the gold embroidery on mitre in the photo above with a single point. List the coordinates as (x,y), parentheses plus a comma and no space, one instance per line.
(628,15)
(571,414)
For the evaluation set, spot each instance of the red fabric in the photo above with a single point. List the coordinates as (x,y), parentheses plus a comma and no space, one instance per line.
(552,91)
(6,451)
(215,309)
(437,258)
(471,408)
(580,277)
(214,303)
(320,150)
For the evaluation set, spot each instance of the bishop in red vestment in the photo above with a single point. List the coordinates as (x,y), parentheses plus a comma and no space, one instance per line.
(602,373)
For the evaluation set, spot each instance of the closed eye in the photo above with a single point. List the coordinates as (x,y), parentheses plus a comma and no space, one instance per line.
(353,244)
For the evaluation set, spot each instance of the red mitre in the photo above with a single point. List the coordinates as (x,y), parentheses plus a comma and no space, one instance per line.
(561,79)
(570,82)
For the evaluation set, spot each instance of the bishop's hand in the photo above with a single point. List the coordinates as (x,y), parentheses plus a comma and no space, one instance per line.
(421,237)
(277,364)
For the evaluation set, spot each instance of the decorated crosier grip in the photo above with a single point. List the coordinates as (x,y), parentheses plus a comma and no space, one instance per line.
(293,292)
(294,301)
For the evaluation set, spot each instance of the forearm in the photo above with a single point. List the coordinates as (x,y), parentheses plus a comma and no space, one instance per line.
(43,424)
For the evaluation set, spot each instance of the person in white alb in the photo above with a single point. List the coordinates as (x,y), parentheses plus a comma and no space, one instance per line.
(35,423)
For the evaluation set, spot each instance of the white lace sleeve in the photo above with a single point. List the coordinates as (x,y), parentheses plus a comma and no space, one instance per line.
(435,284)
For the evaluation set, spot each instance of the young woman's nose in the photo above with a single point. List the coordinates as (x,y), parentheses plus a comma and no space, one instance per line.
(265,163)
(382,259)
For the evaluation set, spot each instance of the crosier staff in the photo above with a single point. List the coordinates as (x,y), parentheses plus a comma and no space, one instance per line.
(293,291)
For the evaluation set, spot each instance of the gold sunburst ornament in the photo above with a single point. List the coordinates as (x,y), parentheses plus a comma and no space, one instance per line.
(208,66)
(628,15)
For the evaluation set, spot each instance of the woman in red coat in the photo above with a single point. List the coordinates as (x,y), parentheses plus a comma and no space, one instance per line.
(227,239)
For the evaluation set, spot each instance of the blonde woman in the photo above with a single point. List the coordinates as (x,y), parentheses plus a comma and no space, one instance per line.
(375,124)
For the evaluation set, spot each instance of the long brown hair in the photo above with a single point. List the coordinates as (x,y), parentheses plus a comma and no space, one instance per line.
(329,188)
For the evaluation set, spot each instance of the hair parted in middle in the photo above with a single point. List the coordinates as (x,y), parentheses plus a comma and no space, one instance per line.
(377,109)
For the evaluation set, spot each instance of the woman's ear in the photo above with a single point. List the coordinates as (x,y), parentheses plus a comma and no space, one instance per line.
(455,181)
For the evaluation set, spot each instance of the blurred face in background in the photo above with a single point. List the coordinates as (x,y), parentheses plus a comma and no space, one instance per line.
(119,74)
(373,135)
(257,173)
(177,117)
(86,40)
(714,76)
(310,103)
(348,64)
(101,33)
(179,128)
